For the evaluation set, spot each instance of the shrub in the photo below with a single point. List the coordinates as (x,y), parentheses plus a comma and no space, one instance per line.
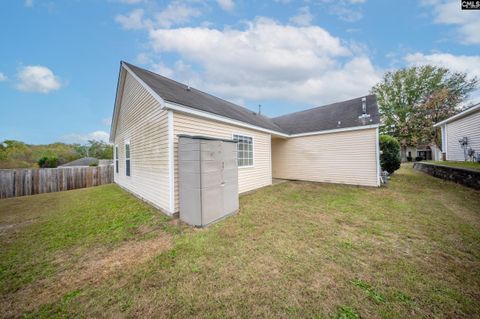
(48,162)
(418,158)
(390,153)
(409,158)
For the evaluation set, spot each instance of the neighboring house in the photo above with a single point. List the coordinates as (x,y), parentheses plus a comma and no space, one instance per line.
(84,161)
(88,161)
(464,126)
(426,152)
(337,143)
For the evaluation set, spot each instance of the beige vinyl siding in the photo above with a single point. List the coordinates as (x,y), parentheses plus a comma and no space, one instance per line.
(142,121)
(344,157)
(468,126)
(249,178)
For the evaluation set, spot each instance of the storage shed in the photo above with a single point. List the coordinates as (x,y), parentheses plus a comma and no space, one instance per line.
(208,179)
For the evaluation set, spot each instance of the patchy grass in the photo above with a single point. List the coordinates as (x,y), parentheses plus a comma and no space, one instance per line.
(470,165)
(411,249)
(59,241)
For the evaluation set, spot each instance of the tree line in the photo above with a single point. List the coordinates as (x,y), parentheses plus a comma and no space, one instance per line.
(17,154)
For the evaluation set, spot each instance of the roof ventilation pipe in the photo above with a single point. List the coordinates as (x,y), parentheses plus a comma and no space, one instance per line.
(365,117)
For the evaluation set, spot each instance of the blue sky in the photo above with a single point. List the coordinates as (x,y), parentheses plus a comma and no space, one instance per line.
(59,60)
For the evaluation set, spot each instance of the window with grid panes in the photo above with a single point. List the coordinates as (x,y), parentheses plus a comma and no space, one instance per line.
(244,150)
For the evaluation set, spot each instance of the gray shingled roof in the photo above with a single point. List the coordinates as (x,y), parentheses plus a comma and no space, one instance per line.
(329,117)
(312,120)
(176,92)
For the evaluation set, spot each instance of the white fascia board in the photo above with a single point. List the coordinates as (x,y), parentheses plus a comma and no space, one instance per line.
(116,105)
(189,110)
(346,129)
(459,115)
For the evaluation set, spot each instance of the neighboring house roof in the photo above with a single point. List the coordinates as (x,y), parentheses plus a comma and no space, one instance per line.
(313,120)
(474,108)
(329,117)
(84,161)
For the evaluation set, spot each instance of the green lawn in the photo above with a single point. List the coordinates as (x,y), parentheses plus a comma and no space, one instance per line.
(411,249)
(470,165)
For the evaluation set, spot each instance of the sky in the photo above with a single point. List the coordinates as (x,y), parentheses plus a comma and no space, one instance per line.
(59,60)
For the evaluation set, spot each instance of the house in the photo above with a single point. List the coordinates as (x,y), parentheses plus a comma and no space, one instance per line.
(336,143)
(84,161)
(460,133)
(424,151)
(87,161)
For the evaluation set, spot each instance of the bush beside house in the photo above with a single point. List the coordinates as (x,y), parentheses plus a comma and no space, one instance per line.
(390,153)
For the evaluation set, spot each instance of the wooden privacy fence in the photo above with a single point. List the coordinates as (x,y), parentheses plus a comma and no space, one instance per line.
(21,182)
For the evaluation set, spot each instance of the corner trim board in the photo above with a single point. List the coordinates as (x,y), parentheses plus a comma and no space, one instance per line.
(377,151)
(171,167)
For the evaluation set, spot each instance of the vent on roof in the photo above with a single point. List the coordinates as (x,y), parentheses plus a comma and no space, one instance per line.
(188,88)
(365,117)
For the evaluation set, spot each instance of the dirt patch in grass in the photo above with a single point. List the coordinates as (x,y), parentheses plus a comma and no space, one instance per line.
(92,269)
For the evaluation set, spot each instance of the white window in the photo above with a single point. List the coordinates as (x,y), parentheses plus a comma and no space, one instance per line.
(116,159)
(127,158)
(244,150)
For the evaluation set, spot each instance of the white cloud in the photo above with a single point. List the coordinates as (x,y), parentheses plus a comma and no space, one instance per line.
(227,5)
(303,17)
(448,12)
(3,77)
(267,60)
(134,20)
(37,78)
(28,3)
(469,64)
(345,13)
(84,138)
(176,13)
(346,10)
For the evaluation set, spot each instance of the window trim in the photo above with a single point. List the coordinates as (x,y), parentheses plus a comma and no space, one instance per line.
(116,159)
(127,142)
(253,148)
